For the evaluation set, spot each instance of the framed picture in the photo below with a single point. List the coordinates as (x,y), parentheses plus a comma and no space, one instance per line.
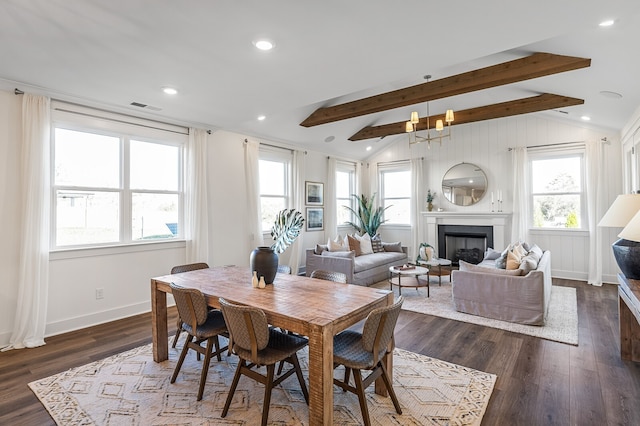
(315,218)
(315,193)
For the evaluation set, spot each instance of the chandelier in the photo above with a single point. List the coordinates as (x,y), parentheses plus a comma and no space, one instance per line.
(411,126)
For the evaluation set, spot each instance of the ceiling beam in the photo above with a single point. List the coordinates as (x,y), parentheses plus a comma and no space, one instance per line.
(542,102)
(533,66)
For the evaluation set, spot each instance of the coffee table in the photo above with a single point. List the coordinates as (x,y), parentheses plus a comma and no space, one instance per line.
(412,271)
(438,263)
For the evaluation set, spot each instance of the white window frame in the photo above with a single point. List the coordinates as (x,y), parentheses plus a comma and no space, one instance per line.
(402,166)
(281,156)
(350,168)
(553,154)
(126,128)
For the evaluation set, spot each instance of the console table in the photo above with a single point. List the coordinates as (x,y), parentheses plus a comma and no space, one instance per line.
(629,317)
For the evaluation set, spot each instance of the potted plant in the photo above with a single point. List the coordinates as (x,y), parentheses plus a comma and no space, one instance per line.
(285,229)
(369,217)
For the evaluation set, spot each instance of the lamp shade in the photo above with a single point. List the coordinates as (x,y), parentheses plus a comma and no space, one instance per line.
(449,116)
(439,125)
(621,211)
(408,127)
(631,232)
(414,118)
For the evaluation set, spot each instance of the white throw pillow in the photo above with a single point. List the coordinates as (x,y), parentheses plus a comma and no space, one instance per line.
(365,243)
(338,244)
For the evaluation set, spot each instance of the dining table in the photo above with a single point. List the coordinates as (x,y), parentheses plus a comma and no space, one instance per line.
(311,307)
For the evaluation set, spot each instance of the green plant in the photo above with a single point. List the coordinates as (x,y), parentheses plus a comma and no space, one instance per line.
(286,229)
(430,196)
(370,218)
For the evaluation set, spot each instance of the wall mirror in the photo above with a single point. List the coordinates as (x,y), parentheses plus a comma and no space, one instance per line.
(464,184)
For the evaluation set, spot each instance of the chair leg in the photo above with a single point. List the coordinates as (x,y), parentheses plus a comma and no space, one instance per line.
(217,343)
(392,393)
(303,384)
(178,331)
(347,372)
(205,367)
(271,369)
(183,354)
(357,376)
(232,390)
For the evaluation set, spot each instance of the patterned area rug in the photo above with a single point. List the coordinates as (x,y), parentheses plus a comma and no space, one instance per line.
(562,317)
(131,389)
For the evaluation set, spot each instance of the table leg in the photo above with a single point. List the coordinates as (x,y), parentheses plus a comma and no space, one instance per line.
(380,388)
(159,332)
(399,284)
(321,376)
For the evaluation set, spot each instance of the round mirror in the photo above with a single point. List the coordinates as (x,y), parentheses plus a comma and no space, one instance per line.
(464,184)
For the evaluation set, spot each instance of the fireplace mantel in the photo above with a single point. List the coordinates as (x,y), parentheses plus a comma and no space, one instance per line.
(500,221)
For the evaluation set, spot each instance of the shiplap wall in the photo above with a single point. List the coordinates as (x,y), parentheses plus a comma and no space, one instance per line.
(487,144)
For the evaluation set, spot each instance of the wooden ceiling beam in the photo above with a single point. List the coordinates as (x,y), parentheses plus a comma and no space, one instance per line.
(542,102)
(537,65)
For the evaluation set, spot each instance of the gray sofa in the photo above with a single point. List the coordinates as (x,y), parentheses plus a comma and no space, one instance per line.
(493,294)
(362,270)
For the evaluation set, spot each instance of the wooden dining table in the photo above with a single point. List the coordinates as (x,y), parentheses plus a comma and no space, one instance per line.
(311,307)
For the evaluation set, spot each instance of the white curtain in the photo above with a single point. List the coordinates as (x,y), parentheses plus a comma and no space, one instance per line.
(298,200)
(520,219)
(417,183)
(252,177)
(33,280)
(359,178)
(196,204)
(330,210)
(595,191)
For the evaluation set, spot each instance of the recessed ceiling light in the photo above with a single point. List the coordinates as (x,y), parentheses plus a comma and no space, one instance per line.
(610,94)
(169,90)
(329,139)
(264,44)
(261,117)
(607,23)
(369,148)
(586,118)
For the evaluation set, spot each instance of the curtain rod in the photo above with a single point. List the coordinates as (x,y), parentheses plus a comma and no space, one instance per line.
(17,91)
(274,146)
(605,140)
(395,161)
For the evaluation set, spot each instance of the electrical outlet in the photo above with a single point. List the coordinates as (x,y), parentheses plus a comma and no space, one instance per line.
(99,293)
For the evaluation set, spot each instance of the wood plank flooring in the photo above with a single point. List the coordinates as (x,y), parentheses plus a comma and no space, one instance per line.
(539,382)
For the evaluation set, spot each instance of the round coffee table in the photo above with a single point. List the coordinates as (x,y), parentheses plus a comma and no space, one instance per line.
(438,263)
(412,271)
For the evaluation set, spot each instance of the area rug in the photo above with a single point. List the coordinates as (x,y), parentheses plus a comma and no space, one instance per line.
(562,317)
(131,389)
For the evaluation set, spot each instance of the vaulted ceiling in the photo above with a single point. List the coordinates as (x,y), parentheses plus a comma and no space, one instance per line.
(328,55)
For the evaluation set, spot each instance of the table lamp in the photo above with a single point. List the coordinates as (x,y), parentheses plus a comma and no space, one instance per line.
(626,250)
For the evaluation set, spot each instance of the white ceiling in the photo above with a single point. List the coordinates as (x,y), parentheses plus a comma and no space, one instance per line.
(112,53)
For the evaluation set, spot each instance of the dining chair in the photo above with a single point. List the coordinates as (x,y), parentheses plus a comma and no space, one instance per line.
(365,350)
(337,277)
(284,269)
(178,270)
(257,344)
(201,324)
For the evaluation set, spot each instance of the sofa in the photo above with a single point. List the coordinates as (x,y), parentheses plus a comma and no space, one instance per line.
(364,270)
(503,294)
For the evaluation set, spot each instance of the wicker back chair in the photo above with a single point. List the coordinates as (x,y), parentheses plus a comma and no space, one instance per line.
(366,351)
(257,344)
(201,324)
(178,270)
(337,277)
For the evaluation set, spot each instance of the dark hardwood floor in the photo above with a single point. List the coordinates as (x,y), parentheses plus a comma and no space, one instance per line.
(539,382)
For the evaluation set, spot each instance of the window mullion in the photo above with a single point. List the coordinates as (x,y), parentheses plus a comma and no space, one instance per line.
(125,192)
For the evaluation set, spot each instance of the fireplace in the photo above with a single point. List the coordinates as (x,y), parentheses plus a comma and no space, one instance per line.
(464,242)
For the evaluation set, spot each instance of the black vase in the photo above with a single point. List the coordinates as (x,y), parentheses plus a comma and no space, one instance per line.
(264,261)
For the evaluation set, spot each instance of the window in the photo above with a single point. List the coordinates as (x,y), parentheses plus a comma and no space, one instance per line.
(274,186)
(109,187)
(345,187)
(557,189)
(395,193)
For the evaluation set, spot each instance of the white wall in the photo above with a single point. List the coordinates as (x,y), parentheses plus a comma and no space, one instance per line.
(486,145)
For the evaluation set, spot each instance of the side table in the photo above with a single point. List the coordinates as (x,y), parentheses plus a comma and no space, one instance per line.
(415,271)
(438,263)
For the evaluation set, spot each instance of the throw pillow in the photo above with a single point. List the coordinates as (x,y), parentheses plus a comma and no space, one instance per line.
(347,254)
(491,254)
(528,263)
(519,250)
(394,247)
(320,248)
(376,244)
(537,250)
(513,260)
(464,266)
(365,243)
(354,245)
(338,244)
(501,262)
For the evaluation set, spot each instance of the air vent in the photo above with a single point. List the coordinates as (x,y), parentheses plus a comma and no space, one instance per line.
(145,106)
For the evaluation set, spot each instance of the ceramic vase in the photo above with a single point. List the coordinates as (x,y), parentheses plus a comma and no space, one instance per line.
(264,261)
(430,206)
